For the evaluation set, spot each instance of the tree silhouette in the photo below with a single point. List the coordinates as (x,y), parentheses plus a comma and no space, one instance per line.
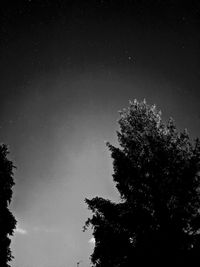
(7,220)
(157,173)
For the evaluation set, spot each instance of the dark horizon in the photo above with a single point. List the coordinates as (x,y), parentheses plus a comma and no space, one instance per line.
(67,68)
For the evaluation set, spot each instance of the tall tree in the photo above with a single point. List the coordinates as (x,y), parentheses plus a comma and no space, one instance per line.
(7,220)
(157,173)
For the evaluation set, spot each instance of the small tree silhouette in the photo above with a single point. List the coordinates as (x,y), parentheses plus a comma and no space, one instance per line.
(157,173)
(7,220)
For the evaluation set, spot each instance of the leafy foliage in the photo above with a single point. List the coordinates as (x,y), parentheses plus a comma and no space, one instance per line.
(7,220)
(157,173)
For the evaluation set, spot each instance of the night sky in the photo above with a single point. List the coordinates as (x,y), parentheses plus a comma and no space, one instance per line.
(66,69)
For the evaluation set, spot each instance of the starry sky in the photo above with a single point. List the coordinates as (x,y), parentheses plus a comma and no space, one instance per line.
(66,69)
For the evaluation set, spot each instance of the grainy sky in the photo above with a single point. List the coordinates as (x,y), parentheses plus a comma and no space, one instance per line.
(66,69)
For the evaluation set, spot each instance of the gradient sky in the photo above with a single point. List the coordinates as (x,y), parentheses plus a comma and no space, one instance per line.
(66,69)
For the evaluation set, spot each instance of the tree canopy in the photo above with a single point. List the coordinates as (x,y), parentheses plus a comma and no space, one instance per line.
(157,173)
(7,220)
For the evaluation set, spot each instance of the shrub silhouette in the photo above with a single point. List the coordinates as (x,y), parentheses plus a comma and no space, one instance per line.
(7,220)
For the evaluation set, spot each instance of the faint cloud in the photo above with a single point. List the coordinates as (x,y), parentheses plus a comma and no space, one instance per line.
(45,230)
(50,230)
(36,229)
(92,241)
(20,231)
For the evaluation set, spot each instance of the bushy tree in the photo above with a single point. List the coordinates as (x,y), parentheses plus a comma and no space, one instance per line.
(7,220)
(157,173)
